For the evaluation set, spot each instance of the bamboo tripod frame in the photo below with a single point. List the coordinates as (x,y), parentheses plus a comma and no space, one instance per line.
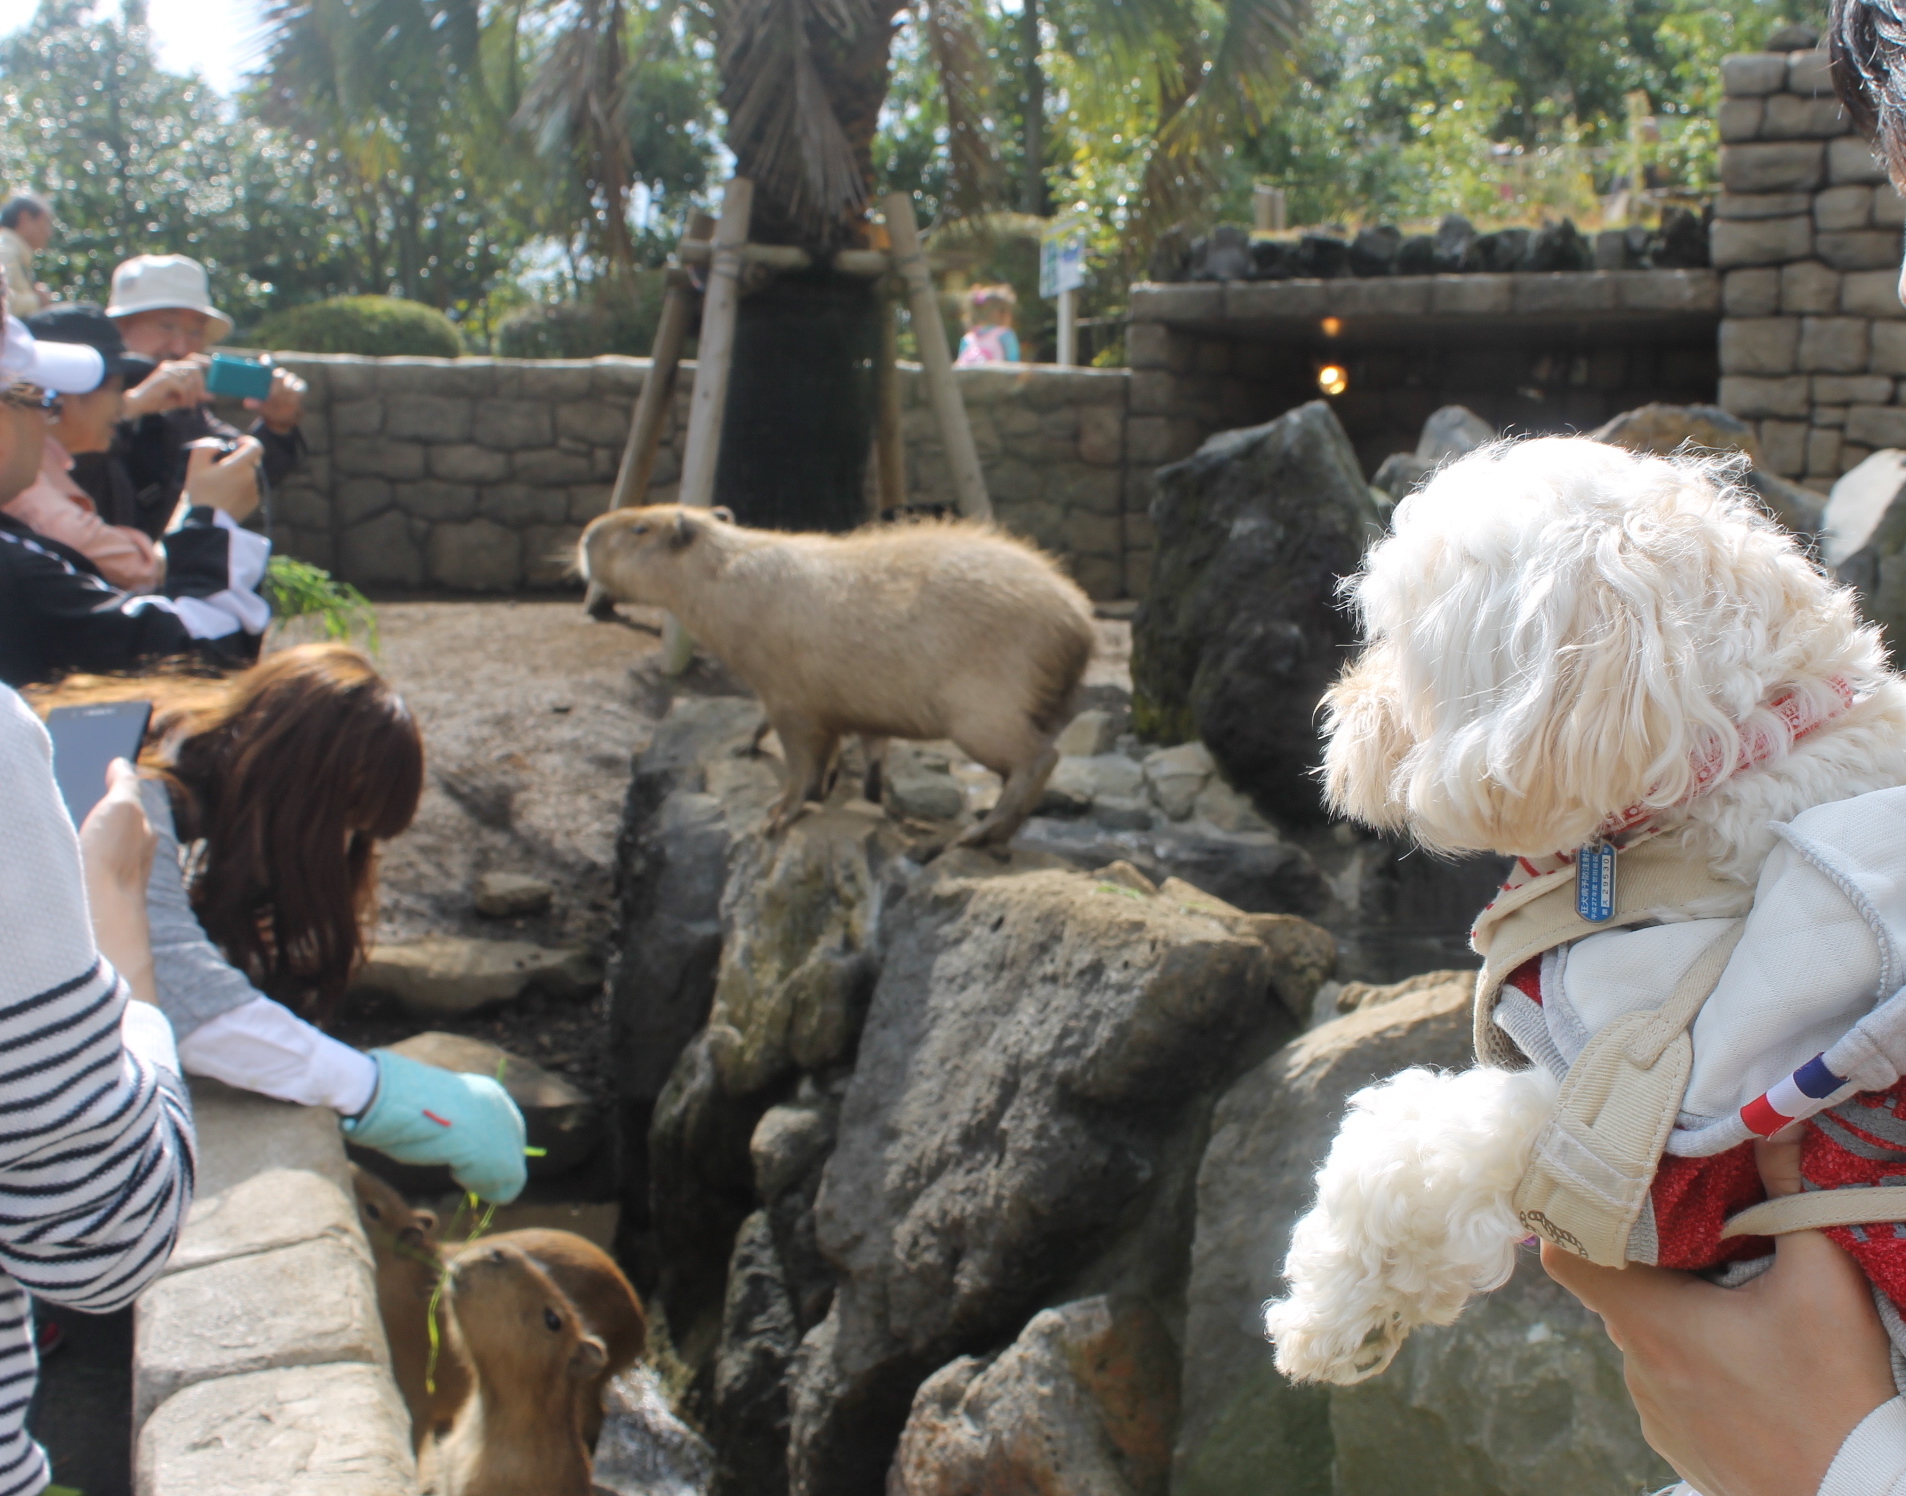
(701,452)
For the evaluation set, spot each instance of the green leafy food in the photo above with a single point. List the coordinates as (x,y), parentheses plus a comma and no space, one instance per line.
(297,589)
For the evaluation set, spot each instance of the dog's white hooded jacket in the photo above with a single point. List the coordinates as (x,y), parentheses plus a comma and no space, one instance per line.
(1822,953)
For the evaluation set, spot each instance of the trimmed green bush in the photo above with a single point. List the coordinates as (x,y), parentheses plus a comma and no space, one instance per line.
(377,325)
(621,320)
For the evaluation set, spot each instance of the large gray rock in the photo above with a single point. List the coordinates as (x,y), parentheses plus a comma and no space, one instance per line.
(644,1449)
(1524,1393)
(1082,1404)
(560,1120)
(1450,432)
(1029,1096)
(1664,430)
(448,976)
(1865,539)
(749,1418)
(1241,632)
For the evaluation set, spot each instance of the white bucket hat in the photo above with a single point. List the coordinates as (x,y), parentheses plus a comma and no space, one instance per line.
(152,283)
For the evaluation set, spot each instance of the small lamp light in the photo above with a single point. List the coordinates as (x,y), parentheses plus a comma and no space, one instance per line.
(1332,326)
(1332,379)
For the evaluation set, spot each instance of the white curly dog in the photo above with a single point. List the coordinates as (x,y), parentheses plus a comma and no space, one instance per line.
(1565,640)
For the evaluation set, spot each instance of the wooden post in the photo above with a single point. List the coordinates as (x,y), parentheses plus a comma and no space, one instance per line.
(1069,328)
(890,451)
(714,359)
(969,485)
(651,409)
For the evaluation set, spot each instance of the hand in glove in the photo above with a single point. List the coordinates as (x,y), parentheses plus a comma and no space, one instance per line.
(423,1115)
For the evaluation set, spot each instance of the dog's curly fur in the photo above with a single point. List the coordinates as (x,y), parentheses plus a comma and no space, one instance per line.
(1556,630)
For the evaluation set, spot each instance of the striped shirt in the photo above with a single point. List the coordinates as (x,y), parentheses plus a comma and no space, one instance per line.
(96,1147)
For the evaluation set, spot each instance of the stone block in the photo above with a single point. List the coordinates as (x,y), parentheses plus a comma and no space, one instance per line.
(301,505)
(1762,204)
(1751,293)
(588,500)
(316,426)
(1101,577)
(1155,439)
(549,556)
(1176,303)
(1094,534)
(1759,345)
(348,376)
(1783,447)
(1565,292)
(985,434)
(1760,241)
(481,556)
(556,380)
(433,499)
(1851,159)
(303,1431)
(601,423)
(1833,415)
(1791,117)
(1102,435)
(380,552)
(1877,425)
(428,418)
(1889,348)
(1861,249)
(1472,295)
(1852,456)
(1751,73)
(1284,301)
(518,504)
(357,417)
(1088,489)
(305,1304)
(1851,389)
(1830,345)
(1773,166)
(1151,345)
(379,457)
(1751,396)
(1823,452)
(467,463)
(450,378)
(1382,296)
(1666,290)
(1808,74)
(1154,392)
(512,425)
(1809,286)
(552,465)
(1871,293)
(360,498)
(1010,481)
(1214,357)
(1840,208)
(1739,119)
(620,377)
(1889,208)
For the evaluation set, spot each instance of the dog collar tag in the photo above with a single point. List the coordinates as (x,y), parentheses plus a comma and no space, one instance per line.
(1595,882)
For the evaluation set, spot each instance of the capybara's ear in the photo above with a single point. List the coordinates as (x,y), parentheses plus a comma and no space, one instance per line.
(685,530)
(588,1358)
(723,513)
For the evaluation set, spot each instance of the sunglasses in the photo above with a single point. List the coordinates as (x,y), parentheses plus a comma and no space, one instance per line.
(24,396)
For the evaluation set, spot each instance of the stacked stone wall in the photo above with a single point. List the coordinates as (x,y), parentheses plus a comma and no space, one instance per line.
(1807,237)
(477,475)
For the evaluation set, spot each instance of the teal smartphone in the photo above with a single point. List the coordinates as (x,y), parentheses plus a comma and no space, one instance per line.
(238,378)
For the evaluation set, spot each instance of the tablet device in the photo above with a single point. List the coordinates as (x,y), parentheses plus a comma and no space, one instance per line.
(88,738)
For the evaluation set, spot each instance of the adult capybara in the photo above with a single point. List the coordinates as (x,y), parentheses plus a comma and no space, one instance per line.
(520,1431)
(936,629)
(610,1310)
(408,1261)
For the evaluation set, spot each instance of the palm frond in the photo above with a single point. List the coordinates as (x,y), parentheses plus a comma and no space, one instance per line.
(958,50)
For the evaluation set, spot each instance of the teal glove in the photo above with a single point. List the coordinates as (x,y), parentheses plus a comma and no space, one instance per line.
(423,1115)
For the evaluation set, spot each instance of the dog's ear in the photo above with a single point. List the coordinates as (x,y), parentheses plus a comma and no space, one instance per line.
(686,528)
(1366,741)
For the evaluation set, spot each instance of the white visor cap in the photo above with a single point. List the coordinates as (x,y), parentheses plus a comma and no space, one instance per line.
(64,368)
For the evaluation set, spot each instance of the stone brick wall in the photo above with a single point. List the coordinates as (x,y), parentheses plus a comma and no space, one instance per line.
(478,474)
(1807,237)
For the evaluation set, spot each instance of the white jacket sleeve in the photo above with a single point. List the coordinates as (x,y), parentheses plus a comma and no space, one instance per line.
(1872,1461)
(265,1047)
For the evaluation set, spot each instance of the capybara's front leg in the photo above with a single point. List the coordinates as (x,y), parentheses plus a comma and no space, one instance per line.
(1024,785)
(875,783)
(806,748)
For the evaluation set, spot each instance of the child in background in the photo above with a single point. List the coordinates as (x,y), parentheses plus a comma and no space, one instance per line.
(990,338)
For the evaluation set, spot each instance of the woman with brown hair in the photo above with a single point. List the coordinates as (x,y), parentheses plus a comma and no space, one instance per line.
(270,790)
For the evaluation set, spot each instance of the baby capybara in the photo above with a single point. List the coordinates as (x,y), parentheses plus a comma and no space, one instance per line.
(520,1432)
(408,1261)
(938,629)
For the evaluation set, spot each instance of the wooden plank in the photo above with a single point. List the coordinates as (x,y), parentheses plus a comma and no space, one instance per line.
(633,477)
(969,484)
(890,451)
(714,362)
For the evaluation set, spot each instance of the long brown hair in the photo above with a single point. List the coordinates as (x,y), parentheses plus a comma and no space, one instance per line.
(289,774)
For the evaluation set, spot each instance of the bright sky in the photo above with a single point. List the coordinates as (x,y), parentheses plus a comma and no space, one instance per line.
(212,37)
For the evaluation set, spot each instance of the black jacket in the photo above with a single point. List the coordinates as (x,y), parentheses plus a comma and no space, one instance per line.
(139,481)
(58,614)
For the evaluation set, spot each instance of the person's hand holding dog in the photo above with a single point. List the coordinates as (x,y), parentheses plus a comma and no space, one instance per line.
(1746,1391)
